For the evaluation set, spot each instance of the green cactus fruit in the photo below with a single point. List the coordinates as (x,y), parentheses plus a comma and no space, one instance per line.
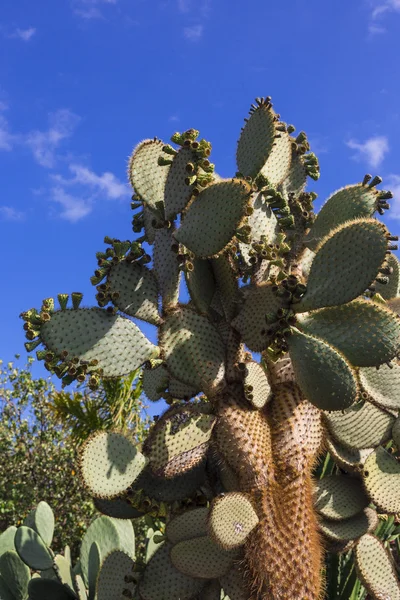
(361,426)
(350,460)
(41,519)
(162,581)
(47,589)
(345,265)
(381,476)
(116,343)
(226,284)
(383,385)
(392,288)
(109,534)
(212,218)
(277,165)
(296,179)
(7,539)
(338,497)
(137,291)
(109,464)
(256,386)
(115,570)
(201,284)
(189,524)
(368,334)
(146,176)
(32,550)
(202,558)
(193,349)
(350,529)
(232,518)
(177,191)
(233,584)
(64,571)
(256,140)
(179,440)
(166,267)
(119,508)
(349,203)
(15,574)
(375,569)
(311,356)
(155,381)
(260,302)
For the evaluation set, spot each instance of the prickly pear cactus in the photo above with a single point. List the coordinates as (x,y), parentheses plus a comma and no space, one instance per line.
(230,464)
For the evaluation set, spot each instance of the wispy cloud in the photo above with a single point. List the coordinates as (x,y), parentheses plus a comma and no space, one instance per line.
(373,150)
(380,8)
(74,208)
(107,183)
(90,9)
(6,137)
(8,213)
(193,33)
(392,182)
(184,5)
(23,34)
(44,144)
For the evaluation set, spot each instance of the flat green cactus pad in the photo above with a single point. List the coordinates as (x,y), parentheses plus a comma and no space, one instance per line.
(155,382)
(311,356)
(190,524)
(256,140)
(251,321)
(48,589)
(232,518)
(166,267)
(150,219)
(375,568)
(350,529)
(295,181)
(233,584)
(193,349)
(177,192)
(350,460)
(368,334)
(361,426)
(109,464)
(305,261)
(181,390)
(201,284)
(213,217)
(7,539)
(5,593)
(145,175)
(381,476)
(391,289)
(383,385)
(64,571)
(338,497)
(137,291)
(201,557)
(227,285)
(95,335)
(346,204)
(394,304)
(277,165)
(262,221)
(32,550)
(173,489)
(212,591)
(256,386)
(346,263)
(16,574)
(396,432)
(115,569)
(178,441)
(119,508)
(41,519)
(162,581)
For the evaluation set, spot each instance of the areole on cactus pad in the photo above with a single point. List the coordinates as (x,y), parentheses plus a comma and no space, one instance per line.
(226,268)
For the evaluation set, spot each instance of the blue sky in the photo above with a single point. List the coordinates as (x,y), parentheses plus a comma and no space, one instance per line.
(83,81)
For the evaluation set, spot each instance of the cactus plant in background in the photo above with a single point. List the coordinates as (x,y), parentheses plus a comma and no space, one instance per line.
(230,464)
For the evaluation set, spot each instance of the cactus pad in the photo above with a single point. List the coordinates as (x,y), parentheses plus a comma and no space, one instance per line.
(392,288)
(190,524)
(256,140)
(47,589)
(233,584)
(111,582)
(368,334)
(145,175)
(295,181)
(177,192)
(193,349)
(166,267)
(232,518)
(361,426)
(41,519)
(119,508)
(311,356)
(346,263)
(213,217)
(15,574)
(350,460)
(375,569)
(201,284)
(262,221)
(32,550)
(177,488)
(155,381)
(381,476)
(350,529)
(338,497)
(383,385)
(181,390)
(137,291)
(109,464)
(201,557)
(256,386)
(277,165)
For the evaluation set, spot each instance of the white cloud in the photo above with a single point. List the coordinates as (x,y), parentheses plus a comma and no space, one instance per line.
(376,29)
(193,33)
(74,208)
(23,34)
(107,183)
(43,144)
(184,5)
(3,106)
(380,8)
(372,150)
(6,138)
(392,182)
(89,9)
(8,213)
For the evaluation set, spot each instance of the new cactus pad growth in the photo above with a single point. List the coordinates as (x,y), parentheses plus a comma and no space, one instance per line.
(230,465)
